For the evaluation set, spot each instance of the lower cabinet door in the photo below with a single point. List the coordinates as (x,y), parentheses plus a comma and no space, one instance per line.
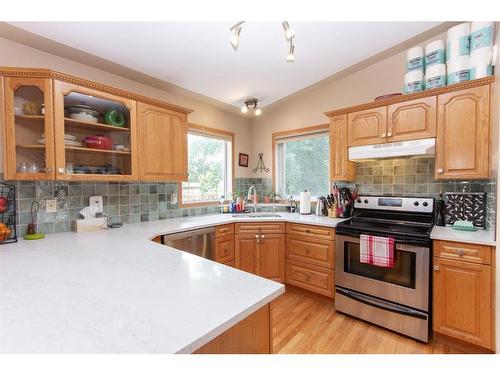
(462,304)
(224,249)
(246,253)
(313,278)
(272,256)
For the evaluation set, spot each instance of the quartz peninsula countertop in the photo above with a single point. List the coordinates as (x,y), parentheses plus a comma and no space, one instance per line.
(116,291)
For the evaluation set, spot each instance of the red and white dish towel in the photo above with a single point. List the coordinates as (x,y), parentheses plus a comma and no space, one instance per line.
(378,251)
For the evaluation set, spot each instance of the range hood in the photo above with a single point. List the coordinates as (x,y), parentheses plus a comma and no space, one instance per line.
(420,147)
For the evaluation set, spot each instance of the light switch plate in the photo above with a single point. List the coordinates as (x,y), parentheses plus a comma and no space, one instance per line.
(96,200)
(50,205)
(173,199)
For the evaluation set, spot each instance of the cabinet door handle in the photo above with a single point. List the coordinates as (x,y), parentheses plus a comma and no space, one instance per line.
(389,134)
(261,236)
(60,170)
(48,170)
(382,135)
(460,252)
(439,170)
(436,268)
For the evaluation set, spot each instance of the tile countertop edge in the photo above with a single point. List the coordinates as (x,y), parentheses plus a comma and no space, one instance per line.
(189,349)
(480,237)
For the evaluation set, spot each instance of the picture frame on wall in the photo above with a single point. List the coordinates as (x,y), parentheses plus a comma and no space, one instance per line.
(243,160)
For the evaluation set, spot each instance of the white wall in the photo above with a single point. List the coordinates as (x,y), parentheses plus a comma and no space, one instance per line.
(15,54)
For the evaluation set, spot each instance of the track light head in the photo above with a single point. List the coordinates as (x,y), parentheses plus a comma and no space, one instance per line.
(291,54)
(244,109)
(251,103)
(235,38)
(289,32)
(258,111)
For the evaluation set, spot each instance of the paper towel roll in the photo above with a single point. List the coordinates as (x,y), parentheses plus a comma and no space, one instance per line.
(434,53)
(457,41)
(481,35)
(458,69)
(413,81)
(415,59)
(435,76)
(305,203)
(481,63)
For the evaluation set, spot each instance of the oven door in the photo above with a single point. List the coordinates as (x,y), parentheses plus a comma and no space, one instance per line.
(407,283)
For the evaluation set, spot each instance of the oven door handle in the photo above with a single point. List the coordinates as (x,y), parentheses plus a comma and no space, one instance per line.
(375,302)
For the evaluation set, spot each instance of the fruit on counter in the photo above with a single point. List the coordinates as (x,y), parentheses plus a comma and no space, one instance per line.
(114,117)
(5,232)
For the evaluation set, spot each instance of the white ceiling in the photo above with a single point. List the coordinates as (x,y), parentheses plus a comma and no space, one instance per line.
(197,55)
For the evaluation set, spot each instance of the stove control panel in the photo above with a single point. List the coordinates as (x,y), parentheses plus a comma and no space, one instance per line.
(407,204)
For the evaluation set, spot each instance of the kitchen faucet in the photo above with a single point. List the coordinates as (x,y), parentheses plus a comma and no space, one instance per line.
(249,197)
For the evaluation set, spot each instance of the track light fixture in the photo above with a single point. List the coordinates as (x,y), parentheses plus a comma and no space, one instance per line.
(235,38)
(251,103)
(289,36)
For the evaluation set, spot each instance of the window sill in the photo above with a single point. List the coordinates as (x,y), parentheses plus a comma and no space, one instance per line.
(198,204)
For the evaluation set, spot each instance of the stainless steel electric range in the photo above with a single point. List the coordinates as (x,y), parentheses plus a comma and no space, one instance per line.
(398,297)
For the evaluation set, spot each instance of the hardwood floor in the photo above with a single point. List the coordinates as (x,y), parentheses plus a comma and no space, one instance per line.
(305,323)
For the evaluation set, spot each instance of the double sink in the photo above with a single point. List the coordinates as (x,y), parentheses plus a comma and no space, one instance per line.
(259,215)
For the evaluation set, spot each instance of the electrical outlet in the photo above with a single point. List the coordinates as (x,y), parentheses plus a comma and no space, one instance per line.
(173,199)
(96,201)
(51,205)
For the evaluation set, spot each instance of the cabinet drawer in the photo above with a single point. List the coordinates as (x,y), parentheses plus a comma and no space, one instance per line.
(224,249)
(256,228)
(305,249)
(463,251)
(313,231)
(224,230)
(309,277)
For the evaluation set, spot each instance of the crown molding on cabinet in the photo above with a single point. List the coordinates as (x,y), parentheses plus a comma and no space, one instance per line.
(47,73)
(417,95)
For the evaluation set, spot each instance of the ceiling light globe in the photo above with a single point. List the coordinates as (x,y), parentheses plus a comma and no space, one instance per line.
(244,109)
(258,111)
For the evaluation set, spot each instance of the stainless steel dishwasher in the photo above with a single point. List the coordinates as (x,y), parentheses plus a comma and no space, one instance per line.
(199,242)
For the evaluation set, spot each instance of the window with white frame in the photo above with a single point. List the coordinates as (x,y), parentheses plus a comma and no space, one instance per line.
(209,167)
(303,163)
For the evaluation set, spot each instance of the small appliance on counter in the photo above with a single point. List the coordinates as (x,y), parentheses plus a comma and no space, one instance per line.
(322,207)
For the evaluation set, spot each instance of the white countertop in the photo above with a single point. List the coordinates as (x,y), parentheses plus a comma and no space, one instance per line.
(114,291)
(480,237)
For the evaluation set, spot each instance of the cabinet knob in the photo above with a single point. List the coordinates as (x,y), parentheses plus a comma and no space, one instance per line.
(461,252)
(48,170)
(439,170)
(261,236)
(389,134)
(436,268)
(60,170)
(308,277)
(382,135)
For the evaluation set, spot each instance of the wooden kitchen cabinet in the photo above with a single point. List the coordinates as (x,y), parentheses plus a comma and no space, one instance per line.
(246,253)
(341,169)
(74,162)
(463,301)
(260,249)
(23,128)
(318,252)
(162,144)
(313,278)
(415,119)
(272,257)
(463,134)
(367,127)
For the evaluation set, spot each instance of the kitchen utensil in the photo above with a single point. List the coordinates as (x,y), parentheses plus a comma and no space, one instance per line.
(98,142)
(114,118)
(31,233)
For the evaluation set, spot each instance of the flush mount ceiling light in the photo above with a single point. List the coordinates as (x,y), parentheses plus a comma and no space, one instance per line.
(251,103)
(289,35)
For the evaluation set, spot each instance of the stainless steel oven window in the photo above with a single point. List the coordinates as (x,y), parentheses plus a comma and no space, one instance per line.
(403,272)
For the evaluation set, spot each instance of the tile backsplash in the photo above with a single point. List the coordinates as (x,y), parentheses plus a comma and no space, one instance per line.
(415,177)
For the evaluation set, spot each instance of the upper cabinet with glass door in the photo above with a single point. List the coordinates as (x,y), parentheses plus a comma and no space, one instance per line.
(95,134)
(29,148)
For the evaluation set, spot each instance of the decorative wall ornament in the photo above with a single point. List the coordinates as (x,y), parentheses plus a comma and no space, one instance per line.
(260,165)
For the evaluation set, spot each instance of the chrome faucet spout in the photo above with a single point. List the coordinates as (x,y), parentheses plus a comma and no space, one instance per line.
(253,197)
